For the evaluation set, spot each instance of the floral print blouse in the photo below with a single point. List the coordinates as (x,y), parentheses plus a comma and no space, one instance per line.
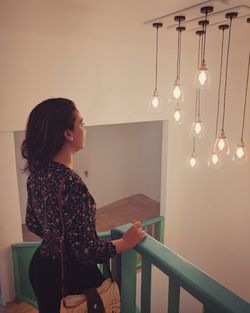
(82,243)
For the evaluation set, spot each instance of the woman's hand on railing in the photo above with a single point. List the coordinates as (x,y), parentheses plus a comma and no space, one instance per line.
(130,238)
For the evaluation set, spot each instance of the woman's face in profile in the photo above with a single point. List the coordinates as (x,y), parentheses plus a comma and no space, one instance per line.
(78,133)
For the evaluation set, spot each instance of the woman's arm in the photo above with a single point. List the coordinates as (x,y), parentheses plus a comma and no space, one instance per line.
(131,238)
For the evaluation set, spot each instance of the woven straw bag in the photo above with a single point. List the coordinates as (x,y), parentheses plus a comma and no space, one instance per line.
(108,292)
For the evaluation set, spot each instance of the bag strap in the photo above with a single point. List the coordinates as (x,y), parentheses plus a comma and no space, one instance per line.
(62,244)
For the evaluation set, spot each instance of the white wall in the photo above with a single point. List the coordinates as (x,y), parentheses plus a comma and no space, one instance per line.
(21,177)
(10,226)
(122,160)
(106,80)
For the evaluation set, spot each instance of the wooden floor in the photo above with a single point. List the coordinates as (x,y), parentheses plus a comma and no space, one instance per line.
(136,207)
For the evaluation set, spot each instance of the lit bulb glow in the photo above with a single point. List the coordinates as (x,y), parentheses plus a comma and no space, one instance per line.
(197,128)
(155,102)
(221,144)
(240,153)
(202,77)
(177,116)
(193,161)
(215,158)
(177,92)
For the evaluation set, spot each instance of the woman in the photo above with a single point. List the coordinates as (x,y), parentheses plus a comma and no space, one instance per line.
(54,133)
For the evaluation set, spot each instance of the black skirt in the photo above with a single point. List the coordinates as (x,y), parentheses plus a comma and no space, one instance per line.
(45,278)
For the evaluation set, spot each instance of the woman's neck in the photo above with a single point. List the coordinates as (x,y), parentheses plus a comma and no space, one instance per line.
(65,157)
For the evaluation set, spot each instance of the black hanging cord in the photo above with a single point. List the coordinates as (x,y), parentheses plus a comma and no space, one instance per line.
(197,89)
(194,144)
(219,88)
(201,47)
(178,54)
(243,123)
(225,88)
(156,59)
(179,50)
(205,37)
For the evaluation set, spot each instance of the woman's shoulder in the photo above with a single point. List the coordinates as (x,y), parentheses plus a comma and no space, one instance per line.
(74,182)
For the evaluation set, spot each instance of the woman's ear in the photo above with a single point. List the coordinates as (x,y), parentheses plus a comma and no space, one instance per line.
(68,136)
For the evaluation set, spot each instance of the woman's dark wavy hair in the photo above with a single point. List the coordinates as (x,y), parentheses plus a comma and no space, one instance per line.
(45,131)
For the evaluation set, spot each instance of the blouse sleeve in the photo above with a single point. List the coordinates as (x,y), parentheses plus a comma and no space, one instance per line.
(31,220)
(79,217)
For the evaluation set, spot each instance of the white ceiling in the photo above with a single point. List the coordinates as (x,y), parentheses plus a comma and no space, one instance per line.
(118,20)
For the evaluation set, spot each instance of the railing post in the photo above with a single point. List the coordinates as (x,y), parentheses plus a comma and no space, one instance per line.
(145,286)
(128,281)
(161,231)
(173,296)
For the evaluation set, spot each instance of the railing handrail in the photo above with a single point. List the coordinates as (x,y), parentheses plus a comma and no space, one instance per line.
(199,284)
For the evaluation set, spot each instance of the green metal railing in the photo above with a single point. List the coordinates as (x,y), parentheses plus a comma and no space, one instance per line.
(214,297)
(22,254)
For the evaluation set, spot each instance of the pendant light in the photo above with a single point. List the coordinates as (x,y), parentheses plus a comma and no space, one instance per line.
(240,153)
(215,158)
(221,144)
(193,160)
(177,90)
(177,114)
(177,95)
(155,101)
(198,126)
(202,77)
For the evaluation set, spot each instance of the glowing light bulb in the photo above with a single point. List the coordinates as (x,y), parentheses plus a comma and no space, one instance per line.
(177,114)
(198,128)
(221,144)
(240,153)
(155,102)
(193,161)
(214,160)
(177,92)
(202,77)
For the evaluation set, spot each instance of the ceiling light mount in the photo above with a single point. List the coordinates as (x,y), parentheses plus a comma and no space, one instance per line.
(223,27)
(231,15)
(207,9)
(200,32)
(179,18)
(203,23)
(157,25)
